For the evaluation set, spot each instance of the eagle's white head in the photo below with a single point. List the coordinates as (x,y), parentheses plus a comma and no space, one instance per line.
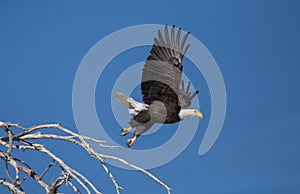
(189,113)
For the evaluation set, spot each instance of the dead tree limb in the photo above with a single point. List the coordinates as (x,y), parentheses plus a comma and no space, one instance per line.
(19,138)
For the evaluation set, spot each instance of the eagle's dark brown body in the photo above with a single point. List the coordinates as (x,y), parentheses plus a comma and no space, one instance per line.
(166,111)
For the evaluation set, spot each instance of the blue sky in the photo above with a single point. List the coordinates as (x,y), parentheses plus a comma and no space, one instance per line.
(255,43)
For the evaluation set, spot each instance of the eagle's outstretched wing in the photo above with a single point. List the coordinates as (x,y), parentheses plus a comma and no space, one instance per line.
(163,68)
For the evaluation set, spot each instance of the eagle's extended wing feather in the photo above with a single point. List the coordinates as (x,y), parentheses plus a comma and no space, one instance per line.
(162,70)
(185,97)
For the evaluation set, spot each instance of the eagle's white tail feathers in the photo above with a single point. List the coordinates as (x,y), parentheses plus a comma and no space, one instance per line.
(133,106)
(123,99)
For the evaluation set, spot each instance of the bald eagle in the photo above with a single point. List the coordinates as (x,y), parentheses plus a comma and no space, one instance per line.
(165,101)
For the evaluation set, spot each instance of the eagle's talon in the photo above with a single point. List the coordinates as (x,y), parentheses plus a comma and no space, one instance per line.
(125,131)
(131,141)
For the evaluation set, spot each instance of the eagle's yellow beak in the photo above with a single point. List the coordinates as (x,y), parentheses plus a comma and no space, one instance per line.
(200,115)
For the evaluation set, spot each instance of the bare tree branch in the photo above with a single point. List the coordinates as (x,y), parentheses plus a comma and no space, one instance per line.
(10,186)
(24,139)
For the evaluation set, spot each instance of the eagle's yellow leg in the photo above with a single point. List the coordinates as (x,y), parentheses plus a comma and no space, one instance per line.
(125,131)
(131,141)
